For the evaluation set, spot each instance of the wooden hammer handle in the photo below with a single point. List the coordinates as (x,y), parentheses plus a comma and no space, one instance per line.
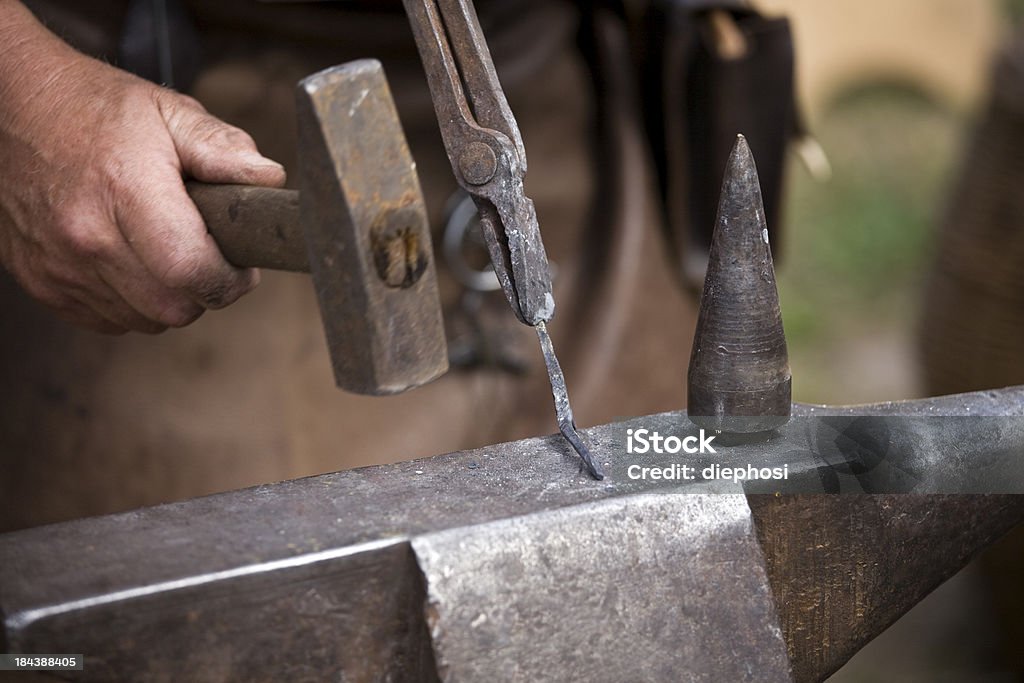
(255,227)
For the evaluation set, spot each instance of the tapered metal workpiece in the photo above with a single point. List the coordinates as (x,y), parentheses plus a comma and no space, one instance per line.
(739,379)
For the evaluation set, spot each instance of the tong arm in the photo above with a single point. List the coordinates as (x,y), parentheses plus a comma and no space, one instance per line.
(484,147)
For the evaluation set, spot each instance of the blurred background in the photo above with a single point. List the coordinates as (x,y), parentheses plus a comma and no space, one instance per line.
(890,90)
(894,92)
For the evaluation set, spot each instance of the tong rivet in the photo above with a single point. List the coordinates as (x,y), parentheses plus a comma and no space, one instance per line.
(478,163)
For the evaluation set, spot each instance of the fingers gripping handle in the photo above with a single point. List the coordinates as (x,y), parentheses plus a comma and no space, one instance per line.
(255,227)
(359,226)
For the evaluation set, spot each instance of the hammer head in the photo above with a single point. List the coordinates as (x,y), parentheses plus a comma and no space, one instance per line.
(367,233)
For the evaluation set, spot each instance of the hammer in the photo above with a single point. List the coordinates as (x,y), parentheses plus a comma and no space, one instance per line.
(358,223)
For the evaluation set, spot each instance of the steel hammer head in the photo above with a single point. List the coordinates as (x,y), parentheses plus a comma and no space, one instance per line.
(367,233)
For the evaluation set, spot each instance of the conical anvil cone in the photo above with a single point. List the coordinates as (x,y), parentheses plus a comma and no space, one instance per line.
(739,379)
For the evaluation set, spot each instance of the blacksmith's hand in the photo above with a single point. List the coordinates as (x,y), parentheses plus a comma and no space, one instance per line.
(94,218)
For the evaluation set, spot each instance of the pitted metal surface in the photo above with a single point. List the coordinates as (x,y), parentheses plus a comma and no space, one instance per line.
(380,573)
(646,587)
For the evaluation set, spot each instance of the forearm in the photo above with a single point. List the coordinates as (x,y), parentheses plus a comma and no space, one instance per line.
(34,62)
(17,25)
(29,52)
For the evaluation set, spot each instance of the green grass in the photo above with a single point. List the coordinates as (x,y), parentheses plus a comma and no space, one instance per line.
(857,246)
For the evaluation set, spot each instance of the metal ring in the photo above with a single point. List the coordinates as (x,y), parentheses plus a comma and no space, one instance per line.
(460,220)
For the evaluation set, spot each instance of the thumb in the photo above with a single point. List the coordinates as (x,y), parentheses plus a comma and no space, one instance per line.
(212,151)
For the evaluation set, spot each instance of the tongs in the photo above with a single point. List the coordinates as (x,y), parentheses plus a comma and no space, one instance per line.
(488,159)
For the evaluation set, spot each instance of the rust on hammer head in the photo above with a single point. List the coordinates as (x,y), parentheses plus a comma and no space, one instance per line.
(367,233)
(739,379)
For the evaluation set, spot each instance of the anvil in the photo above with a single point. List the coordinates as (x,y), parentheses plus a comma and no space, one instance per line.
(508,563)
